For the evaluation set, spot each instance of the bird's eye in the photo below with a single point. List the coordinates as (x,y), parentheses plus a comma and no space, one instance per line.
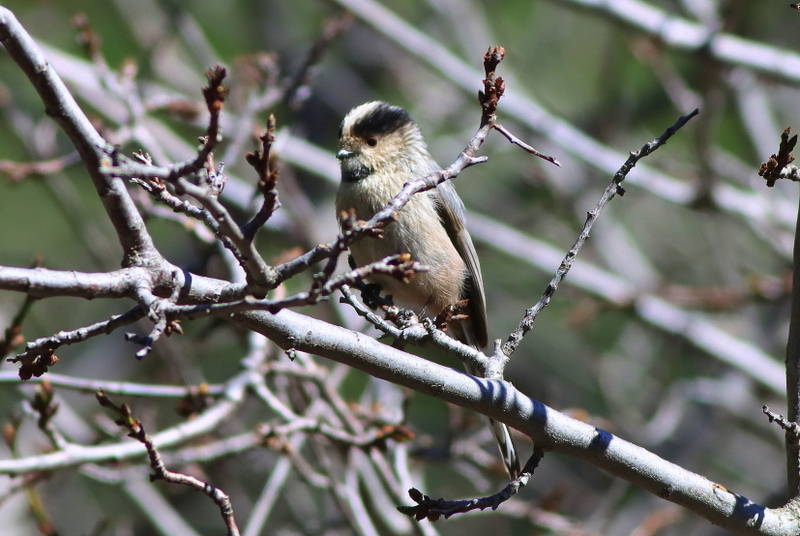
(372,141)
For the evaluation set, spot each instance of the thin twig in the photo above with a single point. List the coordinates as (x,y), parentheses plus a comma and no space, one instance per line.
(610,192)
(40,354)
(215,94)
(160,472)
(17,171)
(518,142)
(433,509)
(267,181)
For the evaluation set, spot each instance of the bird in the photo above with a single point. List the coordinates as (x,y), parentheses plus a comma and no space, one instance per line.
(380,149)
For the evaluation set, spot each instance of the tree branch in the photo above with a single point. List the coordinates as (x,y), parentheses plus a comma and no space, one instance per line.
(548,428)
(59,104)
(610,192)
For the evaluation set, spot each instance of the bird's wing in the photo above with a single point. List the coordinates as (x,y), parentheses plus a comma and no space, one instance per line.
(451,211)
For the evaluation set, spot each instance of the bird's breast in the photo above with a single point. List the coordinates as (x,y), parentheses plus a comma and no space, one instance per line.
(418,231)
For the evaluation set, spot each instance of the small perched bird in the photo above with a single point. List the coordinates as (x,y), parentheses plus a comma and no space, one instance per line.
(380,149)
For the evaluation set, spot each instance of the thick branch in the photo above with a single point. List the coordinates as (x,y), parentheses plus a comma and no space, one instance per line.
(548,428)
(44,283)
(60,105)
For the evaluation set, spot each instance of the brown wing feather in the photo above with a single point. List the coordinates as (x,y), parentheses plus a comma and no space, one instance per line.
(452,213)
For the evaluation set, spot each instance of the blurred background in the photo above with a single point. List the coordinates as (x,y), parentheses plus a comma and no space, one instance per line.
(669,332)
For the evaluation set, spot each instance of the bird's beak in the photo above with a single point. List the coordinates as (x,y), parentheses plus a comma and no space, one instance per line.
(344,154)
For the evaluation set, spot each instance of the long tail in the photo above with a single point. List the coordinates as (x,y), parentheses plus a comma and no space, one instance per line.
(504,442)
(507,449)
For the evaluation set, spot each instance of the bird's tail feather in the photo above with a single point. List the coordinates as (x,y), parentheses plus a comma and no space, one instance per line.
(507,449)
(462,332)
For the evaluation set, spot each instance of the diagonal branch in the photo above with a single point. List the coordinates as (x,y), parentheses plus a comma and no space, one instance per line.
(160,471)
(610,192)
(59,104)
(548,428)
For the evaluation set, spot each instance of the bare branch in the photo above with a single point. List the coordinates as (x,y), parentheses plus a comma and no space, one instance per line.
(267,180)
(40,354)
(548,428)
(18,171)
(93,149)
(433,509)
(160,472)
(518,142)
(610,192)
(214,94)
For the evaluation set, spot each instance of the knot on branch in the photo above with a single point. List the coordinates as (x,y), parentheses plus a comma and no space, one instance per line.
(215,93)
(35,362)
(452,313)
(792,429)
(771,169)
(493,86)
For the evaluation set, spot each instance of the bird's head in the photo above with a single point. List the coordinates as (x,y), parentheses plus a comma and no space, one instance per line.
(377,136)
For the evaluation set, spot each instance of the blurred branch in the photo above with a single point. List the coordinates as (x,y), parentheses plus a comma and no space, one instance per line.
(548,428)
(289,90)
(747,203)
(331,31)
(681,34)
(17,171)
(75,454)
(116,387)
